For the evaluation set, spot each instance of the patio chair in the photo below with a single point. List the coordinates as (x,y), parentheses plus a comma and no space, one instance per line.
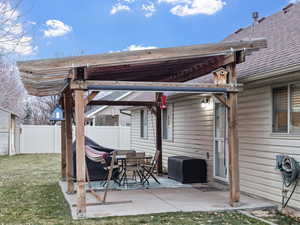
(110,167)
(129,166)
(124,152)
(103,159)
(140,162)
(148,170)
(102,201)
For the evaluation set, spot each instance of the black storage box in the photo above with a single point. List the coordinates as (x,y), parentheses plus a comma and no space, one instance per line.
(187,169)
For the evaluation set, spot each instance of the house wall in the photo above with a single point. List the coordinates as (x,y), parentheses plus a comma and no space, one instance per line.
(122,120)
(4,132)
(192,133)
(106,120)
(258,146)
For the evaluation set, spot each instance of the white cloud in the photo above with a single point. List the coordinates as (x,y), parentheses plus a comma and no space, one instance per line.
(178,7)
(134,48)
(138,47)
(149,9)
(128,1)
(31,22)
(24,47)
(174,1)
(56,28)
(13,37)
(194,7)
(118,8)
(294,1)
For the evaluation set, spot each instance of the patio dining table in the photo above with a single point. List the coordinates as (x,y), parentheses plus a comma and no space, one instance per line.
(123,160)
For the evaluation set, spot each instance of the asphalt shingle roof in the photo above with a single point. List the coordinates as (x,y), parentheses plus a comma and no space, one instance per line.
(282,31)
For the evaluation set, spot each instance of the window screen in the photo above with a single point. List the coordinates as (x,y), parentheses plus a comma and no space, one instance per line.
(280,109)
(295,108)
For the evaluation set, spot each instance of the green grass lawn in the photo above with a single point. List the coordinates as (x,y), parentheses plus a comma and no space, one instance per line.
(29,194)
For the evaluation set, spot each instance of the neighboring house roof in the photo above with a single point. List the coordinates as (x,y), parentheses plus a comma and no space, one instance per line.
(282,32)
(8,111)
(113,96)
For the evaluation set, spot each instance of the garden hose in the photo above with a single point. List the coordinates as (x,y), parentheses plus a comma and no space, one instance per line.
(290,171)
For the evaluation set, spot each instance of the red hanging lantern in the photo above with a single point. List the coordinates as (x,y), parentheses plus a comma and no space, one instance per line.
(163,102)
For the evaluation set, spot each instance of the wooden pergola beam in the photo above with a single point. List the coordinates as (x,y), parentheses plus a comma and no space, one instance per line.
(142,56)
(202,68)
(91,96)
(123,103)
(170,71)
(154,86)
(222,99)
(47,77)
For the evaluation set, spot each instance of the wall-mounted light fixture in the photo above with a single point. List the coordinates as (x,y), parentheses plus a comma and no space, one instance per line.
(206,103)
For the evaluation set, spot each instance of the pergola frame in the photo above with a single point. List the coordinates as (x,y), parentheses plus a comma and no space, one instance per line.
(126,71)
(78,87)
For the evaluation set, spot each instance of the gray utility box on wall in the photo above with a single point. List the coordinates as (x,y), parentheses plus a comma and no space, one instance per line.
(187,169)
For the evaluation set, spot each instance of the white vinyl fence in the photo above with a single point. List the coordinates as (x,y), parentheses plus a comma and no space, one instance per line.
(46,139)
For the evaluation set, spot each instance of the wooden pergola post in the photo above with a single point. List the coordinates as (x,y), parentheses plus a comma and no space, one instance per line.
(68,102)
(80,152)
(63,152)
(234,175)
(63,148)
(159,134)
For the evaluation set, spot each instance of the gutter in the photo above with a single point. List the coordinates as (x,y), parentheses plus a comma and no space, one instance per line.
(271,74)
(125,113)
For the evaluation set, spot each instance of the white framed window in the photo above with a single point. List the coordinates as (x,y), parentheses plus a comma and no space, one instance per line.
(167,123)
(144,123)
(286,109)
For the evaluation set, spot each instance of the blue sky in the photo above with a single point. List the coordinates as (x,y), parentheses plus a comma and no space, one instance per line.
(96,26)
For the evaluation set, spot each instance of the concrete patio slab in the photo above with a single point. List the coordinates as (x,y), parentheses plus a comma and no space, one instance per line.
(150,201)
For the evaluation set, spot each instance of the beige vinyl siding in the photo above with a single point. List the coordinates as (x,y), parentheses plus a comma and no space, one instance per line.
(259,147)
(192,133)
(193,136)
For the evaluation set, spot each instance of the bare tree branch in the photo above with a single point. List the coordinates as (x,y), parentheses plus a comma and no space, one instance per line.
(13,36)
(11,87)
(38,110)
